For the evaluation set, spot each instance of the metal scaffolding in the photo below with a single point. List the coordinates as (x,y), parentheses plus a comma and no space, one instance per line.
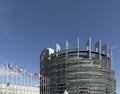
(79,71)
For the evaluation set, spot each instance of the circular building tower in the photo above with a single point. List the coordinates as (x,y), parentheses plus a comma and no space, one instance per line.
(78,71)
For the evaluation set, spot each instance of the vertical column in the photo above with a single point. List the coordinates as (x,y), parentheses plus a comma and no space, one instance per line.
(98,49)
(57,47)
(109,58)
(67,45)
(78,46)
(104,50)
(89,48)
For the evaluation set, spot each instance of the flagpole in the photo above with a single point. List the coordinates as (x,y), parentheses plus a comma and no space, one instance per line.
(31,84)
(31,81)
(12,78)
(7,75)
(39,82)
(40,86)
(21,82)
(3,77)
(3,74)
(24,80)
(7,79)
(27,81)
(16,79)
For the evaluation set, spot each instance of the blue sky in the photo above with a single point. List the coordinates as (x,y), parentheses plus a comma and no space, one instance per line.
(29,26)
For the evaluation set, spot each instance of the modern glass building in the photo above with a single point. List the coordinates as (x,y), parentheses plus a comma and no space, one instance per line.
(79,71)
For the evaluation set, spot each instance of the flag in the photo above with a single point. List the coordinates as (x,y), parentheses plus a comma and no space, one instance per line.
(40,76)
(31,74)
(17,69)
(5,66)
(36,75)
(11,67)
(21,70)
(28,73)
(25,72)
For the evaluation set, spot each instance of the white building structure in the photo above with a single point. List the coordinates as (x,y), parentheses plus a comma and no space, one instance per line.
(18,89)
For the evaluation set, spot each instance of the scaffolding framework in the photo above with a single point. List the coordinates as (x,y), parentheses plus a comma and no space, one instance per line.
(79,71)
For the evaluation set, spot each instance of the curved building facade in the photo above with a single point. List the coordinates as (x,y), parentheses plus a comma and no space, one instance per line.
(79,71)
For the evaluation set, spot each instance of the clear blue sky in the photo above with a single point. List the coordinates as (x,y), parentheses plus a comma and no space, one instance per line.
(29,26)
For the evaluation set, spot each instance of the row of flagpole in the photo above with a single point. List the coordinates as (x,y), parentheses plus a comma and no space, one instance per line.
(18,79)
(14,76)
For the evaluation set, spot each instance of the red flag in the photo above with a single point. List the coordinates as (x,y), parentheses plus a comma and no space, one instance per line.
(17,69)
(40,76)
